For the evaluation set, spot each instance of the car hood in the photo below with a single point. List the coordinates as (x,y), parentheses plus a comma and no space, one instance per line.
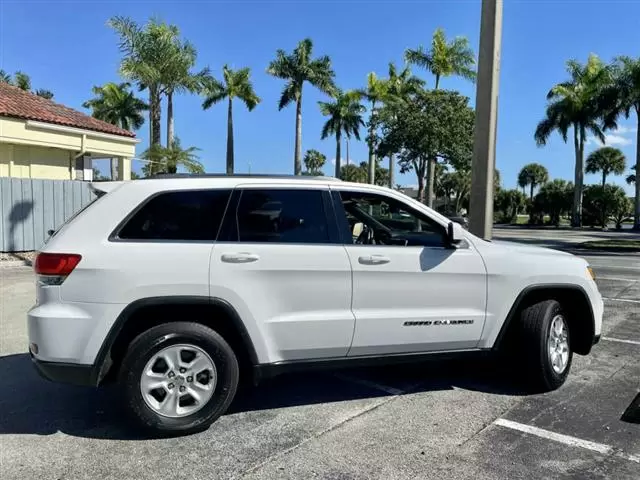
(527,249)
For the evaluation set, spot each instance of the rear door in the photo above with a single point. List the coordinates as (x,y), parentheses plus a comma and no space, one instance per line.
(411,291)
(280,262)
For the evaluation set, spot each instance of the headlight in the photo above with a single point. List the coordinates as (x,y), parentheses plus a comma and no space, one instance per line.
(591,273)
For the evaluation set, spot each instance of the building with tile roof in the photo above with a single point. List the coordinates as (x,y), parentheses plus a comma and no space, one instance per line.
(40,138)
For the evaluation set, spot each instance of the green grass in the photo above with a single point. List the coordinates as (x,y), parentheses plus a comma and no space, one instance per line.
(623,245)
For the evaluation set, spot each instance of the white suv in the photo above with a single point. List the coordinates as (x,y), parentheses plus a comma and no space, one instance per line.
(178,286)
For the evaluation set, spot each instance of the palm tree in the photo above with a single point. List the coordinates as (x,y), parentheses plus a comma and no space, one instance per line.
(149,54)
(116,104)
(532,175)
(631,178)
(445,59)
(353,173)
(313,162)
(22,81)
(400,87)
(179,79)
(167,160)
(345,116)
(622,98)
(607,160)
(235,84)
(574,104)
(41,92)
(297,68)
(376,92)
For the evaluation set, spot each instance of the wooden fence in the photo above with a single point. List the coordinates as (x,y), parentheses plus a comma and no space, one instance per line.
(30,208)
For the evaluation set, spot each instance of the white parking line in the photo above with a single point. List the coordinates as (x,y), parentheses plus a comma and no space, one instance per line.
(620,340)
(567,440)
(619,279)
(620,300)
(370,384)
(596,266)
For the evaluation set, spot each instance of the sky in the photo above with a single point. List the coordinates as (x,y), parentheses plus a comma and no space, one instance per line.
(67,47)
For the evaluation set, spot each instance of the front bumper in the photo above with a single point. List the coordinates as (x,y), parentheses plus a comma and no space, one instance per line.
(72,373)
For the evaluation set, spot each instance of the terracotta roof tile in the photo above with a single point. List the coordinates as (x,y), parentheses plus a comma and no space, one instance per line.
(17,103)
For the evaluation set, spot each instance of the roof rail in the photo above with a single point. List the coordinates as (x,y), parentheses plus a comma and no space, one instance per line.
(160,176)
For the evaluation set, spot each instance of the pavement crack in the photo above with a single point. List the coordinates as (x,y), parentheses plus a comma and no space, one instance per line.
(321,433)
(624,290)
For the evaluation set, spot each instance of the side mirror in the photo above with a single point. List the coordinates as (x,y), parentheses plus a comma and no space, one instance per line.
(455,232)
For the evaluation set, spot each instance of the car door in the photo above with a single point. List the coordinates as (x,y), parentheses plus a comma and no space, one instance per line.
(412,292)
(281,264)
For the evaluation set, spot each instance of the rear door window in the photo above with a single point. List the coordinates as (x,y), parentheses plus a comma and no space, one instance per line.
(281,216)
(190,215)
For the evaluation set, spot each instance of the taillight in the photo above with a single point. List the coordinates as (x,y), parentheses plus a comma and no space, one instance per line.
(53,268)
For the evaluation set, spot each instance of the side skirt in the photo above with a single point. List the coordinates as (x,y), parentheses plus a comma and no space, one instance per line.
(269,370)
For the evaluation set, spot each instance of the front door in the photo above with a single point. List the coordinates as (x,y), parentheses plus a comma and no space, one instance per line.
(412,292)
(279,261)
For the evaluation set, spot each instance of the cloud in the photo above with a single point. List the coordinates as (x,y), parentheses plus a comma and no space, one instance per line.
(626,129)
(618,137)
(344,161)
(611,139)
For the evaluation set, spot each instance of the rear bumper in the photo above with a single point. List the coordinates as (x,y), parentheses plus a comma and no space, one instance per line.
(74,374)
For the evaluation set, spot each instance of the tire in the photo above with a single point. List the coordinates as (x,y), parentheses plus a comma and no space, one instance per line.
(215,387)
(535,338)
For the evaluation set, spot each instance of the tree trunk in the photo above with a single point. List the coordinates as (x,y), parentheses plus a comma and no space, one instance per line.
(531,192)
(114,169)
(170,130)
(420,188)
(155,112)
(338,146)
(576,211)
(297,160)
(431,171)
(636,216)
(604,201)
(391,171)
(347,150)
(372,156)
(230,166)
(437,81)
(372,159)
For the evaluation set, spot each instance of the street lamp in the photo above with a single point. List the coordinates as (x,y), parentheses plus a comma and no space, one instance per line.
(484,142)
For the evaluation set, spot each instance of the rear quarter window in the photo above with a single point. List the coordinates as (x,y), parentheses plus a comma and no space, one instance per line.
(190,215)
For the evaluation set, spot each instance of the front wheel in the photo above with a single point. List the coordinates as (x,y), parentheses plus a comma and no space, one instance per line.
(178,378)
(546,344)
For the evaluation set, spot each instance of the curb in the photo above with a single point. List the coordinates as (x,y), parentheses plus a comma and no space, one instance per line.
(15,264)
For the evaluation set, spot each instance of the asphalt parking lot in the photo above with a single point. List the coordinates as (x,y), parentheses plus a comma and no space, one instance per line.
(462,420)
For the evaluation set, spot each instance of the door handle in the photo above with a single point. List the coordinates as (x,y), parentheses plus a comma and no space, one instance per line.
(374,260)
(241,257)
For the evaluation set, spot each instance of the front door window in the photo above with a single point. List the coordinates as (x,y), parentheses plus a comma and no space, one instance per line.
(380,220)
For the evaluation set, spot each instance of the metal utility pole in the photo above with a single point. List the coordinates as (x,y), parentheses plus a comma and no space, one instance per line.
(484,144)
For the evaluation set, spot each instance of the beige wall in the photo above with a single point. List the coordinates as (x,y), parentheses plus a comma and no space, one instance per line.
(38,150)
(22,132)
(34,162)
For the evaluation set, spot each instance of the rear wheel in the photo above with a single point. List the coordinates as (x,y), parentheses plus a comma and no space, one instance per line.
(179,377)
(545,342)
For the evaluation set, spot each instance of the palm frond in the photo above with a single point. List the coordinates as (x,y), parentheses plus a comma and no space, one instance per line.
(289,94)
(419,57)
(213,90)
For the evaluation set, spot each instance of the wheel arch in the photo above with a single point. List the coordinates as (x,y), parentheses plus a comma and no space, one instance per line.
(136,318)
(575,302)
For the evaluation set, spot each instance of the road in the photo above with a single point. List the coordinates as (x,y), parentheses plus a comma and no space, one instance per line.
(456,420)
